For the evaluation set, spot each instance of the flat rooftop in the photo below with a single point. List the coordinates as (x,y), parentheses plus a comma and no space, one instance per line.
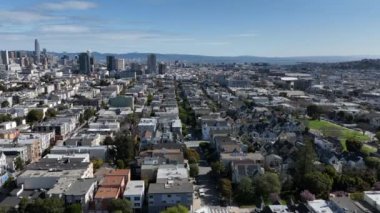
(107,193)
(134,187)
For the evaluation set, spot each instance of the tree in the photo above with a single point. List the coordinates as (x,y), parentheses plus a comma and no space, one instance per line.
(194,170)
(149,99)
(19,164)
(217,167)
(120,164)
(354,145)
(97,163)
(192,155)
(313,111)
(74,208)
(176,209)
(51,113)
(5,117)
(34,116)
(123,206)
(266,184)
(5,104)
(378,136)
(47,205)
(372,162)
(123,147)
(225,186)
(88,113)
(23,204)
(305,161)
(245,191)
(318,183)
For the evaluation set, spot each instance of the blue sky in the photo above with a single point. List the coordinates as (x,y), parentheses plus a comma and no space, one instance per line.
(207,27)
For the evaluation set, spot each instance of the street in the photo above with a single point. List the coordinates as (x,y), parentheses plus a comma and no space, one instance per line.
(206,182)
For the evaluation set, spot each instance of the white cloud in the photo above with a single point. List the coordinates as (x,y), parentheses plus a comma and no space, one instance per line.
(65,28)
(69,5)
(22,17)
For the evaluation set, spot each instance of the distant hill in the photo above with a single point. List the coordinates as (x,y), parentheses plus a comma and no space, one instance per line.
(364,64)
(227,59)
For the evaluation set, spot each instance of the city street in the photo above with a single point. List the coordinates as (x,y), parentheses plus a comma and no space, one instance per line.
(206,182)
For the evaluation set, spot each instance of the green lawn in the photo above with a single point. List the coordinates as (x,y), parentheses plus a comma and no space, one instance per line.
(329,129)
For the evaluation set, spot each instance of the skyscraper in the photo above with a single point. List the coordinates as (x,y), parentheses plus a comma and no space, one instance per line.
(4,57)
(37,51)
(84,63)
(152,64)
(110,62)
(119,64)
(161,68)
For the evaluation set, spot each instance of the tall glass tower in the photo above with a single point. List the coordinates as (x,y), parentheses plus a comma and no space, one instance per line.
(37,51)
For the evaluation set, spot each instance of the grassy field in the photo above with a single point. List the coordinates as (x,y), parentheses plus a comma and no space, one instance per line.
(329,129)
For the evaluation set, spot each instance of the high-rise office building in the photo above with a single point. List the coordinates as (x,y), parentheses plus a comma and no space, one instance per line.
(110,62)
(84,63)
(119,64)
(152,63)
(161,68)
(37,51)
(4,57)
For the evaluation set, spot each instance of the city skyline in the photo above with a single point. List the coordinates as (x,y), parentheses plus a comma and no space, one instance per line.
(215,28)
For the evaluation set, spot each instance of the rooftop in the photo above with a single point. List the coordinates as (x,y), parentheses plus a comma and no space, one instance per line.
(134,187)
(106,192)
(112,181)
(162,188)
(80,187)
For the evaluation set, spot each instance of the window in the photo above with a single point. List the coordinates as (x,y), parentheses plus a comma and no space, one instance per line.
(137,198)
(137,204)
(169,195)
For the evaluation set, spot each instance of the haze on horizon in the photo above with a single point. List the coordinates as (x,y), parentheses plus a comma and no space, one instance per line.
(270,28)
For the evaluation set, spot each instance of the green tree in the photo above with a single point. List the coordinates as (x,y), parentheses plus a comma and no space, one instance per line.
(314,111)
(305,160)
(5,117)
(5,104)
(354,145)
(176,209)
(378,136)
(51,113)
(372,162)
(88,113)
(318,183)
(217,167)
(266,184)
(192,155)
(34,116)
(47,205)
(97,163)
(23,204)
(74,208)
(120,164)
(123,147)
(245,192)
(225,186)
(19,164)
(149,99)
(124,206)
(194,170)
